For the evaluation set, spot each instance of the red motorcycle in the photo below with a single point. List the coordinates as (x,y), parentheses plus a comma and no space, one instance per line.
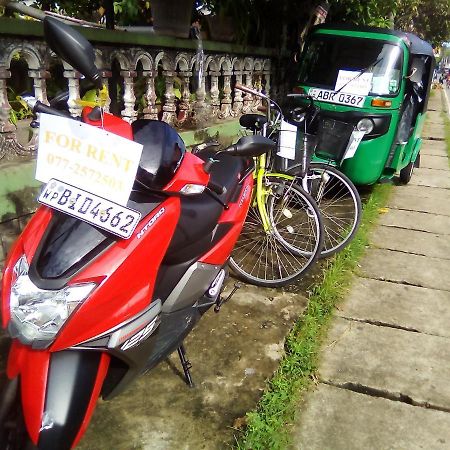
(87,310)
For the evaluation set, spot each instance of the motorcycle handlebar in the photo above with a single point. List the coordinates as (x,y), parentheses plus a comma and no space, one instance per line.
(43,108)
(39,107)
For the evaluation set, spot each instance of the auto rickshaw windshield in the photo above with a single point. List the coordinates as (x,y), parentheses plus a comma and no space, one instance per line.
(329,61)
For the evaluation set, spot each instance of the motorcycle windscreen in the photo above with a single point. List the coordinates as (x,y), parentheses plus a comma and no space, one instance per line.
(68,245)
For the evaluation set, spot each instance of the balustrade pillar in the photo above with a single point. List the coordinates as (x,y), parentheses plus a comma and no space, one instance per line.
(7,129)
(39,84)
(73,83)
(5,125)
(257,85)
(150,111)
(267,85)
(238,100)
(200,110)
(214,92)
(129,99)
(106,75)
(185,103)
(248,98)
(169,107)
(225,108)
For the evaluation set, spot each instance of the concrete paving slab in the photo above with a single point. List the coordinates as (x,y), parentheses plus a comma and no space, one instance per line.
(411,307)
(438,162)
(435,116)
(416,221)
(431,177)
(391,361)
(434,130)
(421,199)
(431,147)
(411,241)
(401,267)
(338,419)
(420,191)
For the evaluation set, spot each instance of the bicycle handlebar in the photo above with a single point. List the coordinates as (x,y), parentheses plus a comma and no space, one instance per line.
(248,90)
(306,96)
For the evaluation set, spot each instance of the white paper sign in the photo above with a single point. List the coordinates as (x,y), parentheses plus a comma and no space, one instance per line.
(353,143)
(357,84)
(87,157)
(288,138)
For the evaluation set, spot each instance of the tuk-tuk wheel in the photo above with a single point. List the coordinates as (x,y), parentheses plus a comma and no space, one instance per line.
(406,173)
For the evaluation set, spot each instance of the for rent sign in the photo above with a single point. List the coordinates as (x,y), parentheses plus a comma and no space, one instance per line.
(87,157)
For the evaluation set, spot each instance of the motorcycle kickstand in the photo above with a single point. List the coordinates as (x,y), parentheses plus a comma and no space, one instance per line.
(186,364)
(220,301)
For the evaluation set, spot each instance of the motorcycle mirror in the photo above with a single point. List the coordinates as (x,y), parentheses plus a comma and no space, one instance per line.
(251,146)
(72,47)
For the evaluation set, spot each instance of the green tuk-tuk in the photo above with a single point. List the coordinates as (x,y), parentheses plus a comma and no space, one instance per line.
(377,80)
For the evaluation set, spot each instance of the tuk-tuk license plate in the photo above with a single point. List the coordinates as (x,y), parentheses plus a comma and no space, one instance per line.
(90,208)
(340,98)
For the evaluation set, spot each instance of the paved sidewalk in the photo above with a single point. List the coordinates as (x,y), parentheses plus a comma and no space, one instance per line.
(384,378)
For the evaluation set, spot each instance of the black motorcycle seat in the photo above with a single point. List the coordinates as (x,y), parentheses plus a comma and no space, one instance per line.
(226,172)
(197,226)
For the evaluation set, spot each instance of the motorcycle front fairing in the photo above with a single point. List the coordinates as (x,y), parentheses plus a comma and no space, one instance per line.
(60,384)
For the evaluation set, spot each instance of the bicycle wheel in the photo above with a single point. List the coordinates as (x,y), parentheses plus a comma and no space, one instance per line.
(268,258)
(339,204)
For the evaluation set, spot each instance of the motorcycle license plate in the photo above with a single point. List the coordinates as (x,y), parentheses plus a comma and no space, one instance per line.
(340,98)
(90,208)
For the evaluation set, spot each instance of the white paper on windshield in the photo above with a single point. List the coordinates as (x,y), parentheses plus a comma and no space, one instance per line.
(87,157)
(353,143)
(357,84)
(288,138)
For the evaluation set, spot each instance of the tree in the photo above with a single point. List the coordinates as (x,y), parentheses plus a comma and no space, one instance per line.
(430,19)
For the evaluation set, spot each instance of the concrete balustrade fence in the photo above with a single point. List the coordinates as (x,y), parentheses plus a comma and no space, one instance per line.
(196,93)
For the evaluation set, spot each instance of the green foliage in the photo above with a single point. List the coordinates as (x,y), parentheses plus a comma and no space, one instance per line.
(430,19)
(268,425)
(447,128)
(127,12)
(19,109)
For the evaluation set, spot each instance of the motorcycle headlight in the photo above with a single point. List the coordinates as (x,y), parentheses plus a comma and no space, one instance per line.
(38,314)
(365,125)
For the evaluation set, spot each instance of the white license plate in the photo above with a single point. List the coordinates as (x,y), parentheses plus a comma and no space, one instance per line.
(353,143)
(90,208)
(341,98)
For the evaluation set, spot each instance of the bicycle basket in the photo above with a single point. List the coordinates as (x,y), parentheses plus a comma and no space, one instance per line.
(332,139)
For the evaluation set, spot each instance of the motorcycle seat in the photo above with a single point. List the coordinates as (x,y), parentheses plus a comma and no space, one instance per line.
(226,172)
(197,227)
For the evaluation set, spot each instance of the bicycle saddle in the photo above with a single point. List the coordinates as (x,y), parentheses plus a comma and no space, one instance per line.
(253,122)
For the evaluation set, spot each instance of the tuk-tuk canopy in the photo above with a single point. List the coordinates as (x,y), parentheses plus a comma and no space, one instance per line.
(416,45)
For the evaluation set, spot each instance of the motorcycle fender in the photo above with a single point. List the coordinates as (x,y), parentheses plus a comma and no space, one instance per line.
(59,392)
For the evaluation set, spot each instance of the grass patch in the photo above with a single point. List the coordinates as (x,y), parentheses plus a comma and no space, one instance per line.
(268,427)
